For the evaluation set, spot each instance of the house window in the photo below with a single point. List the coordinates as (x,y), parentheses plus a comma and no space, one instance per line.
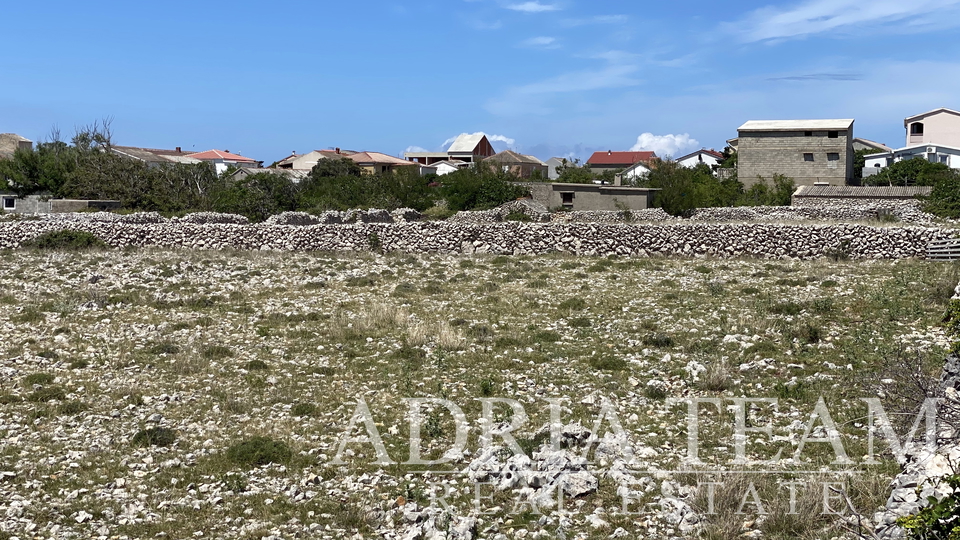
(833,134)
(9,203)
(566,199)
(808,156)
(808,134)
(833,156)
(916,128)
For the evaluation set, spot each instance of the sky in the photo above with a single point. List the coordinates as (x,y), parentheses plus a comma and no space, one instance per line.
(543,77)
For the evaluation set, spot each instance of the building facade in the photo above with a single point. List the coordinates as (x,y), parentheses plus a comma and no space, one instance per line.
(939,126)
(811,152)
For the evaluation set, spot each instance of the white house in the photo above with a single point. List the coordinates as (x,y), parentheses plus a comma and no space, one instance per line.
(633,172)
(934,153)
(447,166)
(939,126)
(710,158)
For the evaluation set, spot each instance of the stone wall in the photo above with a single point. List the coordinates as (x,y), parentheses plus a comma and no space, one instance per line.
(766,240)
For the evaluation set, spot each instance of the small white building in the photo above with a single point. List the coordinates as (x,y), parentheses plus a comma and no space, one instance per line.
(447,166)
(710,158)
(934,153)
(634,172)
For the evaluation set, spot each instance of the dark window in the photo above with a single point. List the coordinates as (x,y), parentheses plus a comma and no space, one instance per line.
(808,156)
(916,128)
(833,134)
(566,199)
(808,134)
(9,203)
(833,156)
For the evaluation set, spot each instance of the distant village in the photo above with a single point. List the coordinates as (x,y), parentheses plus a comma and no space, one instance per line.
(813,153)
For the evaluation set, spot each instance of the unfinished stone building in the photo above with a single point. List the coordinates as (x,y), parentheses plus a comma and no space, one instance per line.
(811,152)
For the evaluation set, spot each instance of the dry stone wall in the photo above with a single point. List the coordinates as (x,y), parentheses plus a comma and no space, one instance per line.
(765,240)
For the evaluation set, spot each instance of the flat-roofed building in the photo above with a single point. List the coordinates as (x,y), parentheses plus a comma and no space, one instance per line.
(811,152)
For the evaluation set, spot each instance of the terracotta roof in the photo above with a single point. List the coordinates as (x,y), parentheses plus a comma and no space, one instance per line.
(213,155)
(377,157)
(619,158)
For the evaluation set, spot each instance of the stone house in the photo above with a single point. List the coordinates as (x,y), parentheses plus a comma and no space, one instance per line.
(811,152)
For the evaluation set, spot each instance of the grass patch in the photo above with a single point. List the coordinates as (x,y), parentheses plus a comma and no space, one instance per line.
(259,451)
(66,240)
(158,436)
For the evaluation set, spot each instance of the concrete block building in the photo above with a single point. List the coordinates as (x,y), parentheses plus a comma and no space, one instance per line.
(811,152)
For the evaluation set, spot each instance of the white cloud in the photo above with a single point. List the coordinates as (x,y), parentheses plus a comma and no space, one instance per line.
(596,19)
(664,145)
(817,16)
(415,149)
(533,7)
(492,138)
(540,42)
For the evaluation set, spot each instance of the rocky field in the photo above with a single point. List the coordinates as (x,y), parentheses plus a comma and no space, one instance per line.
(168,393)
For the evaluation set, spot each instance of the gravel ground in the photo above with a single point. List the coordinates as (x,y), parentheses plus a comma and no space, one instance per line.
(223,347)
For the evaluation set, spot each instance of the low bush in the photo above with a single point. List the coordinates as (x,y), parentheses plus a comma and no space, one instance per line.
(259,451)
(303,409)
(67,240)
(158,436)
(38,379)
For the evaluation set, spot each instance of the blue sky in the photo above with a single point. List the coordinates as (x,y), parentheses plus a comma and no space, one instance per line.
(546,77)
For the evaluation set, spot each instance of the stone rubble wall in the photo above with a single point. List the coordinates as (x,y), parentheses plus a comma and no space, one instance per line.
(764,240)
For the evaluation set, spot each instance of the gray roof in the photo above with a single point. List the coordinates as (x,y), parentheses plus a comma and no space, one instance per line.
(797,125)
(296,175)
(509,156)
(872,144)
(9,142)
(154,155)
(863,192)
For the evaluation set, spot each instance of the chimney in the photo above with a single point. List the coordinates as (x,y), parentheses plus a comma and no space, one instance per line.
(609,152)
(337,150)
(178,150)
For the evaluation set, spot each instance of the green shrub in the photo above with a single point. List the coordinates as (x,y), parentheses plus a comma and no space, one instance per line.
(487,387)
(67,240)
(164,348)
(786,308)
(303,409)
(573,304)
(257,365)
(216,352)
(580,322)
(517,216)
(660,341)
(72,408)
(158,436)
(607,363)
(38,379)
(47,393)
(79,364)
(259,451)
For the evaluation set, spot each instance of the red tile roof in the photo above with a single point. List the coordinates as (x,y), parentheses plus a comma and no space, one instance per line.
(620,158)
(213,155)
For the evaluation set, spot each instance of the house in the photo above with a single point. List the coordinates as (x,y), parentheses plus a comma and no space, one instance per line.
(867,144)
(11,142)
(948,155)
(521,165)
(223,160)
(553,163)
(378,163)
(468,148)
(308,160)
(633,172)
(155,157)
(41,204)
(711,158)
(937,127)
(613,161)
(447,167)
(824,195)
(811,152)
(590,196)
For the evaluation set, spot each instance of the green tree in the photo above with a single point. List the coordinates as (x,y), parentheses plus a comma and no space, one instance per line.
(479,188)
(908,172)
(944,199)
(258,196)
(572,172)
(333,168)
(860,160)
